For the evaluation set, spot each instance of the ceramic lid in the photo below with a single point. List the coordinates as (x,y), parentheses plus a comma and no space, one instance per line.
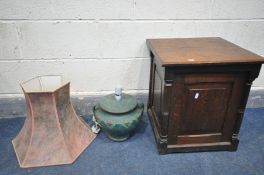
(110,104)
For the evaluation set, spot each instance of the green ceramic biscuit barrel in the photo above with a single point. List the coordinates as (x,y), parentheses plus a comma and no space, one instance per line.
(118,115)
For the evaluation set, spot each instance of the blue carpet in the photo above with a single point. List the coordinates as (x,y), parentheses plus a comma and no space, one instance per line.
(139,154)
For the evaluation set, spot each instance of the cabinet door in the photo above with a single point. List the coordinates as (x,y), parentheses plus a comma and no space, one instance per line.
(204,108)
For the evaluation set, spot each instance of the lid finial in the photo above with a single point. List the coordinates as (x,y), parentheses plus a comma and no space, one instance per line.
(118,92)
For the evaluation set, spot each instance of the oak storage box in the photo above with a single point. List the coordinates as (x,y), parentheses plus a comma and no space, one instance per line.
(198,92)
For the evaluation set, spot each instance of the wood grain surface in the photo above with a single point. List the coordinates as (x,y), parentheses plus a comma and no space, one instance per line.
(193,51)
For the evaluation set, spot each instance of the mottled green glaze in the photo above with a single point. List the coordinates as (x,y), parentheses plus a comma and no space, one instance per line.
(118,127)
(109,104)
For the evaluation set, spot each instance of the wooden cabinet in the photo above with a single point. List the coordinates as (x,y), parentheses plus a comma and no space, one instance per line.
(198,92)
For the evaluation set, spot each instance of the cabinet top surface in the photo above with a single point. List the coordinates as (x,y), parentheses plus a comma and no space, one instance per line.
(192,51)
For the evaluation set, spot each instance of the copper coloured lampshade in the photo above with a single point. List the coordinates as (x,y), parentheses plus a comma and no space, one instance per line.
(52,133)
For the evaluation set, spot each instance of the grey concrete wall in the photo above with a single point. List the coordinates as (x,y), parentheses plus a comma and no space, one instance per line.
(98,44)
